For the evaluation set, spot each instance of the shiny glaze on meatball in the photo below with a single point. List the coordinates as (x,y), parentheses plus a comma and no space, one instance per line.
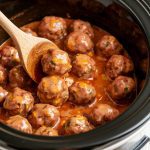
(18,77)
(3,94)
(77,124)
(9,56)
(46,131)
(78,42)
(118,65)
(56,62)
(19,123)
(84,66)
(52,28)
(19,102)
(82,26)
(53,90)
(44,115)
(3,75)
(103,113)
(121,87)
(82,93)
(108,45)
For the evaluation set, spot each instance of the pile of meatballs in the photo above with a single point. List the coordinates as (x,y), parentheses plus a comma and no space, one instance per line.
(38,112)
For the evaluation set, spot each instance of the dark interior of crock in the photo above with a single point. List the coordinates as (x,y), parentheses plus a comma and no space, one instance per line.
(105,14)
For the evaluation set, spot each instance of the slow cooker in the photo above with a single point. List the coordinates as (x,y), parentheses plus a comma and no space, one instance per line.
(129,21)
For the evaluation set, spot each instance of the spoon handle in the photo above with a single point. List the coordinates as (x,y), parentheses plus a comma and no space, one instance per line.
(10,28)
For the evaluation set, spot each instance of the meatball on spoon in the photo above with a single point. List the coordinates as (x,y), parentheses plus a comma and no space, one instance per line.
(30,48)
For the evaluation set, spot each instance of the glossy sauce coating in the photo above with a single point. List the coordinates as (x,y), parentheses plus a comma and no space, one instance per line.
(100,82)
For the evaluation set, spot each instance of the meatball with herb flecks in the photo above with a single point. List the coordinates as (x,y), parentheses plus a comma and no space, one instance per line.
(56,62)
(18,77)
(78,42)
(108,45)
(9,56)
(82,26)
(53,90)
(84,66)
(19,123)
(77,124)
(3,75)
(52,28)
(19,102)
(103,113)
(44,115)
(46,131)
(118,65)
(82,93)
(3,94)
(121,87)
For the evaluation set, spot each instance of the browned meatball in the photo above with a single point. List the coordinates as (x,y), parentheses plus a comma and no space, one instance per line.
(29,31)
(3,75)
(19,102)
(118,65)
(82,93)
(44,115)
(52,28)
(84,66)
(19,123)
(78,42)
(9,56)
(56,62)
(103,113)
(53,90)
(108,45)
(77,124)
(121,87)
(46,131)
(3,94)
(18,77)
(82,26)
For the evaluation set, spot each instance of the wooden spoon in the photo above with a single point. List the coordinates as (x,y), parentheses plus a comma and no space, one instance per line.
(30,48)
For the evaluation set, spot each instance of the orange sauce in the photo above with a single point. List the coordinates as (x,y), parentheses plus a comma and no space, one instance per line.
(100,82)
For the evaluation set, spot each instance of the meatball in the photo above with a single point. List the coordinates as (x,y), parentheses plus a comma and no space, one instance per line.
(82,26)
(82,93)
(103,113)
(19,102)
(18,77)
(44,115)
(3,75)
(56,62)
(121,87)
(3,94)
(118,65)
(29,31)
(53,90)
(46,131)
(19,123)
(77,124)
(78,42)
(9,56)
(84,66)
(108,45)
(52,28)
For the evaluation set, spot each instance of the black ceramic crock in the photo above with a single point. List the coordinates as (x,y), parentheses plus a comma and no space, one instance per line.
(100,14)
